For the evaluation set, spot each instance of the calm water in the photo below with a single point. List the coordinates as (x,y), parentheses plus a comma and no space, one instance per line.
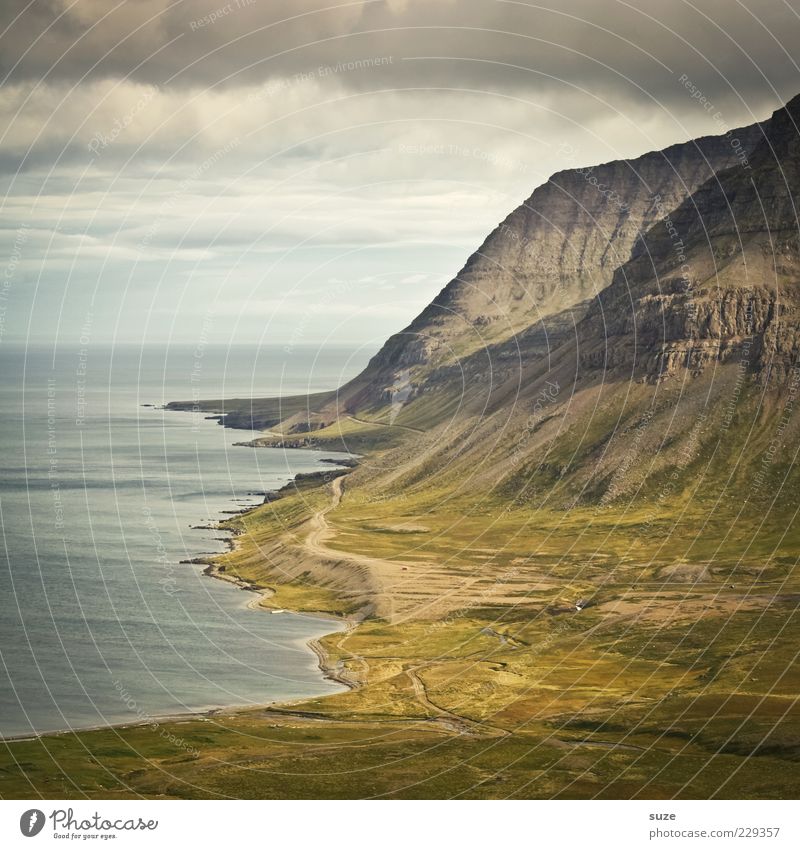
(98,497)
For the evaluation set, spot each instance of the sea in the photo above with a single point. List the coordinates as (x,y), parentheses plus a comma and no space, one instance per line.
(103,493)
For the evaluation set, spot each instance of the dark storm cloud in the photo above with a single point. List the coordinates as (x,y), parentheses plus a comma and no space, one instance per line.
(266,146)
(632,50)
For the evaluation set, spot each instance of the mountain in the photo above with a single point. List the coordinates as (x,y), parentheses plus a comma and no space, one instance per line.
(625,322)
(537,271)
(683,366)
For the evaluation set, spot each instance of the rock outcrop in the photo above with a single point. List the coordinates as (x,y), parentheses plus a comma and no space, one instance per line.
(549,257)
(716,278)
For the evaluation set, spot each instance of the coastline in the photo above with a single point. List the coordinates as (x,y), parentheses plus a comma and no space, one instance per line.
(491,710)
(211,568)
(327,669)
(324,664)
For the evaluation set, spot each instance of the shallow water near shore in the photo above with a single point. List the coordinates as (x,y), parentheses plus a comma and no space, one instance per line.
(99,499)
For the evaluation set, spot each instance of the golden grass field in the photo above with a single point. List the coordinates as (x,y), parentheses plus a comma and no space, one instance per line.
(471,672)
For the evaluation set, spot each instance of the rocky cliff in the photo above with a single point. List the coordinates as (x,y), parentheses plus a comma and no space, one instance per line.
(548,258)
(680,376)
(716,278)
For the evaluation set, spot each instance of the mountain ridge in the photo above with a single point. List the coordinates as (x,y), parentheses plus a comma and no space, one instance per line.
(549,256)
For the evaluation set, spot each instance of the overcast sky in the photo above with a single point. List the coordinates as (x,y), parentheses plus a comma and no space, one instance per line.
(293,171)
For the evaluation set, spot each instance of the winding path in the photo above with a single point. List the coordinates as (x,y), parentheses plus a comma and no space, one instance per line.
(385,424)
(315,543)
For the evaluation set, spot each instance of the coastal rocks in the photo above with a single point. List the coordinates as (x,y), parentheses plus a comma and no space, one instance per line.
(260,442)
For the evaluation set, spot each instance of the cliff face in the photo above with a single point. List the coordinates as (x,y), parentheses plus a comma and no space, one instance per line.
(548,257)
(717,278)
(691,352)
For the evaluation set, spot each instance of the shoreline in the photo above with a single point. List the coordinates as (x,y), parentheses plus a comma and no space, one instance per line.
(327,669)
(211,569)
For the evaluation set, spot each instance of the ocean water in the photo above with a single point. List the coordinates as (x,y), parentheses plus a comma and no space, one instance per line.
(99,496)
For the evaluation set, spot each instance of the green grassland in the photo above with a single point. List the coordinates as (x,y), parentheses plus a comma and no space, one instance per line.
(471,672)
(672,682)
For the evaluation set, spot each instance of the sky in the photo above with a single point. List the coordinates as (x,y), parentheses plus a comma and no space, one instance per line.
(297,172)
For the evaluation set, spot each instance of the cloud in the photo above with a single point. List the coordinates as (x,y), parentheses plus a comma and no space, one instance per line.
(249,148)
(610,45)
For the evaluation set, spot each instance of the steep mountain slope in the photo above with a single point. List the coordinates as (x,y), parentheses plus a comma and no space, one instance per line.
(539,267)
(682,374)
